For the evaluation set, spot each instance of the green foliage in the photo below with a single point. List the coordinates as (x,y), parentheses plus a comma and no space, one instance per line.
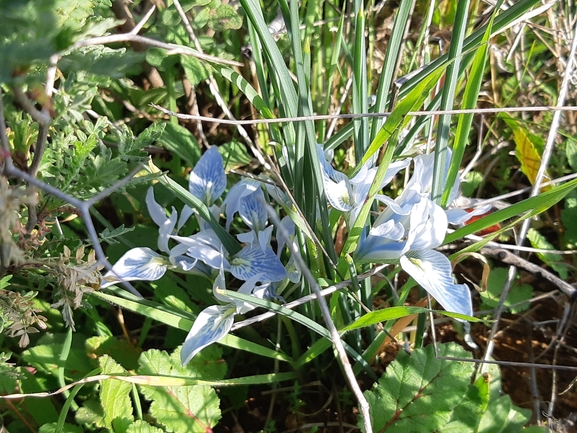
(422,393)
(554,261)
(568,217)
(471,183)
(101,127)
(181,408)
(115,397)
(32,31)
(517,298)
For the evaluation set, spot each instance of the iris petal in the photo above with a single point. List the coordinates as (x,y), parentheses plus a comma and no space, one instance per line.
(254,260)
(432,270)
(207,181)
(136,264)
(212,324)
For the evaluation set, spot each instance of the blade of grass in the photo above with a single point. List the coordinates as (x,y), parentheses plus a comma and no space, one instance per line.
(502,21)
(534,205)
(181,320)
(295,316)
(391,62)
(470,97)
(447,99)
(389,131)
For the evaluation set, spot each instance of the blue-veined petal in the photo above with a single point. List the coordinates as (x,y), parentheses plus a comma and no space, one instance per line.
(207,181)
(253,261)
(156,211)
(289,228)
(220,284)
(247,288)
(364,178)
(178,258)
(432,270)
(212,324)
(261,238)
(136,264)
(232,202)
(252,211)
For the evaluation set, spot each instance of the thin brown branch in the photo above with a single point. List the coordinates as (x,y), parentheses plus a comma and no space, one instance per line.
(514,260)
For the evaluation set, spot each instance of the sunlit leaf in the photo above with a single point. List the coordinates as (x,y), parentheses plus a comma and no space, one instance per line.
(115,396)
(525,149)
(179,408)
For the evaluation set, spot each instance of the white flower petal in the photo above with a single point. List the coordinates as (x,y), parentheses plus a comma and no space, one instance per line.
(461,216)
(339,193)
(428,226)
(212,324)
(185,214)
(379,248)
(136,264)
(166,230)
(156,211)
(432,270)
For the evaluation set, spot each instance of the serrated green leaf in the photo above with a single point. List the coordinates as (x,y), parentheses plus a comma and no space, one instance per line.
(120,349)
(179,140)
(196,71)
(158,58)
(466,415)
(115,397)
(555,261)
(143,427)
(100,60)
(178,408)
(418,391)
(67,428)
(91,413)
(109,235)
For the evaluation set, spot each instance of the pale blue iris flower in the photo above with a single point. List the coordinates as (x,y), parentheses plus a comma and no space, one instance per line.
(349,195)
(407,232)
